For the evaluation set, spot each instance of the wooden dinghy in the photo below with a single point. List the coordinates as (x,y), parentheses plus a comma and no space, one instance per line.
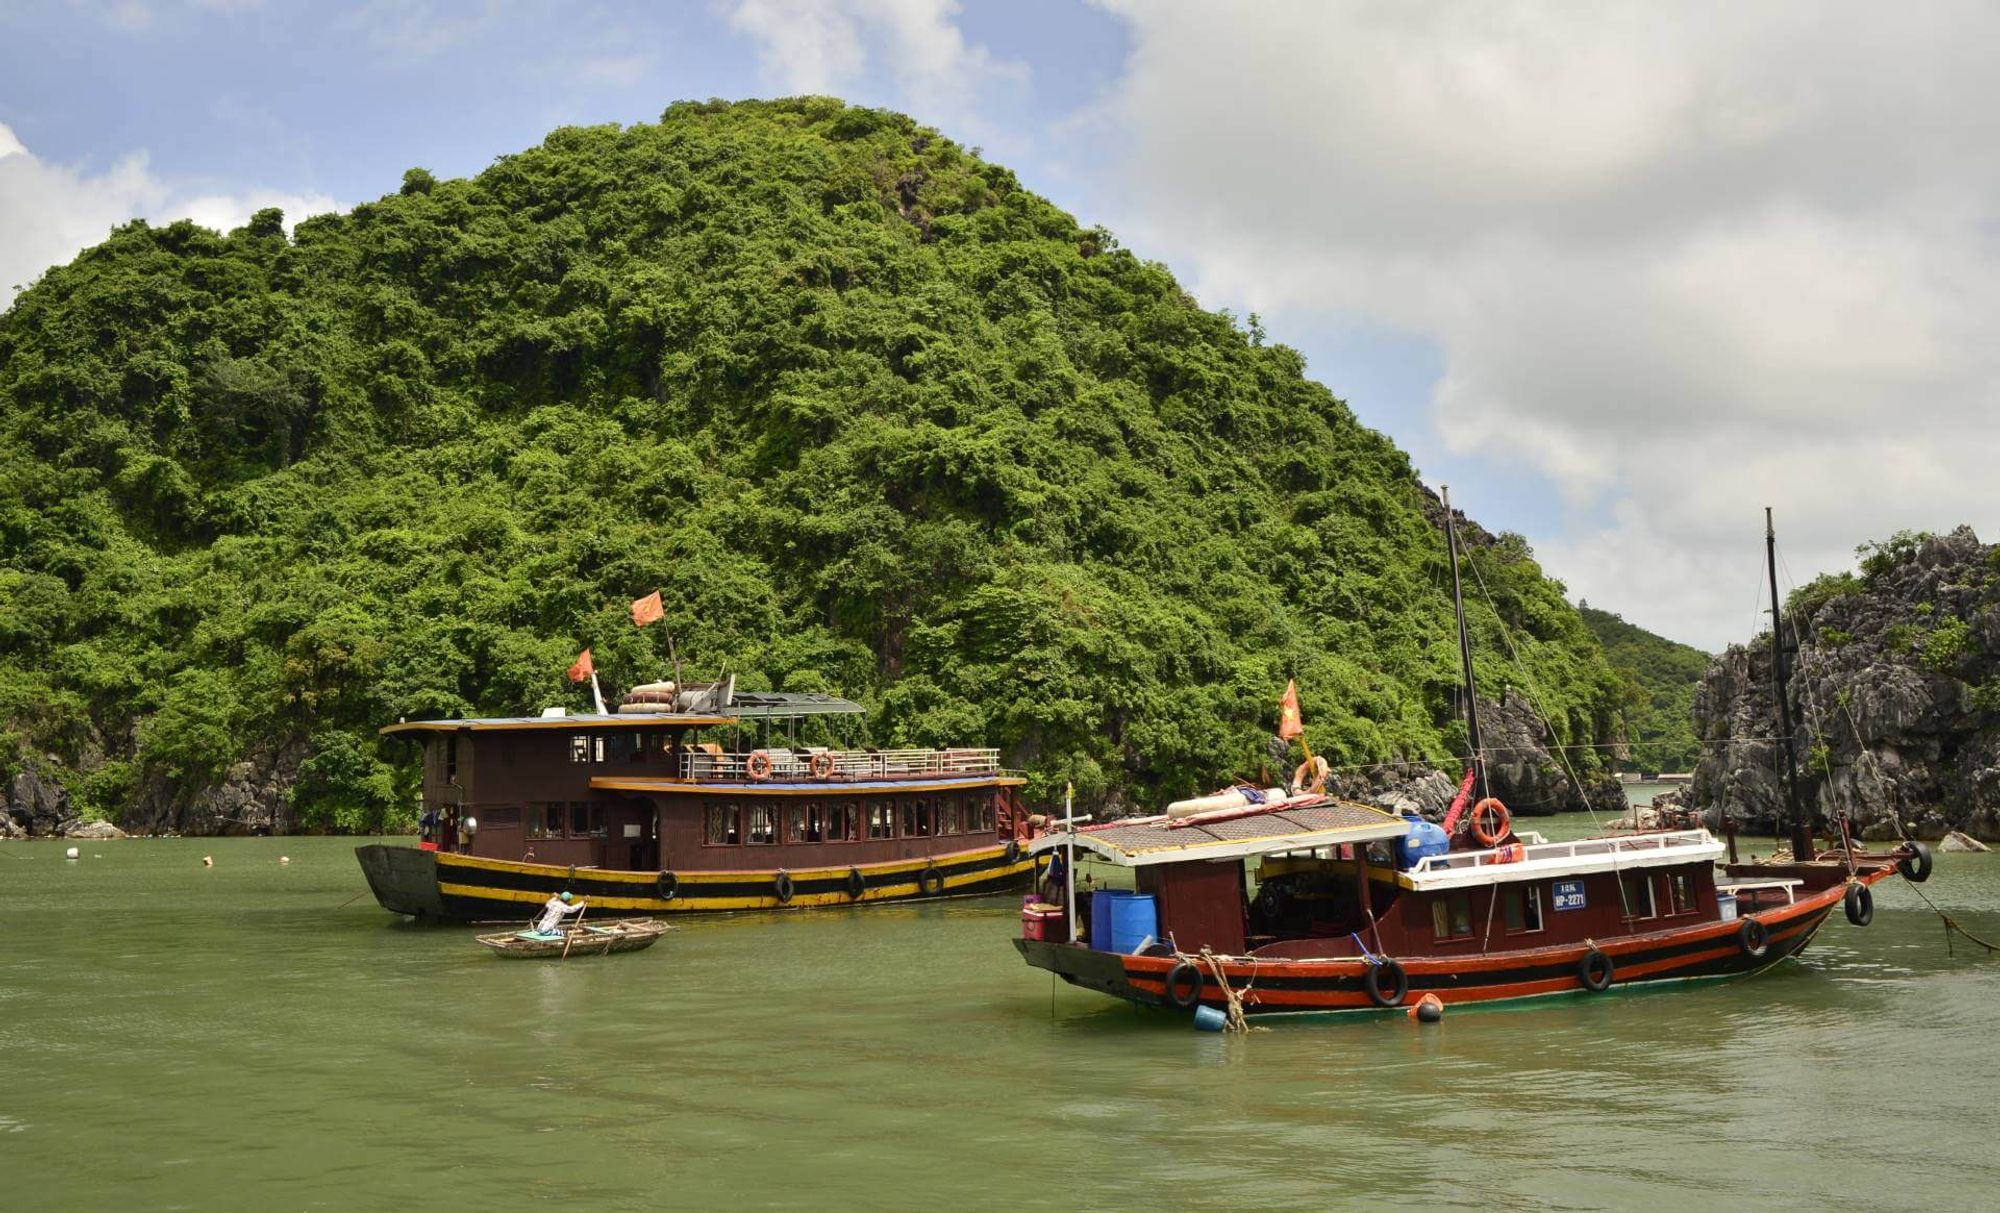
(582,939)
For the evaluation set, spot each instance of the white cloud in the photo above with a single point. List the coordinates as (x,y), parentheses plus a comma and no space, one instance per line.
(51,212)
(1681,260)
(843,47)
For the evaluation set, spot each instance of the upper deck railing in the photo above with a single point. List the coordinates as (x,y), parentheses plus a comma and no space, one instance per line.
(798,765)
(1583,848)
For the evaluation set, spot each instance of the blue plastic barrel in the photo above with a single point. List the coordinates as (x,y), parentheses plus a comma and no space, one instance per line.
(1209,1019)
(1422,840)
(1120,920)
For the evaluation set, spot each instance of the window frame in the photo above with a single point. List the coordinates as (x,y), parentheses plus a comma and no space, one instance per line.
(729,813)
(1528,899)
(1641,880)
(1442,907)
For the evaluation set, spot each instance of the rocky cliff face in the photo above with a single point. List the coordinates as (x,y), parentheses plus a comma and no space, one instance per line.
(1896,693)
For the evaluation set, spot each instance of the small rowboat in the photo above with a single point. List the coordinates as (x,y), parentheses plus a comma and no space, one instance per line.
(583,939)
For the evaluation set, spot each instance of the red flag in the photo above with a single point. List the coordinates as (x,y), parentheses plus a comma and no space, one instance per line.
(1289,723)
(646,610)
(583,668)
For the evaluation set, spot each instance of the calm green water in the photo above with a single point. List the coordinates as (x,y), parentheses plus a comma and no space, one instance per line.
(179,1037)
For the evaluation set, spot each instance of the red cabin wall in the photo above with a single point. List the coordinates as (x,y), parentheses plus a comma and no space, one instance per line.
(1201,904)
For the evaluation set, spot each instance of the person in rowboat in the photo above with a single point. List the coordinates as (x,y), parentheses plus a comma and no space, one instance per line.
(556,908)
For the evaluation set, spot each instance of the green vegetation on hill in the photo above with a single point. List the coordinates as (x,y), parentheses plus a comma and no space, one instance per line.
(1660,676)
(876,419)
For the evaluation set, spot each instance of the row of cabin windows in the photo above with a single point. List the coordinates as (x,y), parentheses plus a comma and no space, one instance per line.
(564,819)
(617,747)
(820,821)
(1521,905)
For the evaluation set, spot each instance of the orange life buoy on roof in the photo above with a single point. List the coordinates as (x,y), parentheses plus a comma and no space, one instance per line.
(758,766)
(821,764)
(1491,822)
(1314,771)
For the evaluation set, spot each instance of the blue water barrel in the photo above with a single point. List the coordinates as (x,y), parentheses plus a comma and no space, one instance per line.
(1423,839)
(1120,920)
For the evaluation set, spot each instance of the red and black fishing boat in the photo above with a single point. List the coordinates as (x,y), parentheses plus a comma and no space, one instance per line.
(1355,909)
(689,801)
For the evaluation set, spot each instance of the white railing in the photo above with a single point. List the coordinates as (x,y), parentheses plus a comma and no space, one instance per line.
(793,765)
(1459,861)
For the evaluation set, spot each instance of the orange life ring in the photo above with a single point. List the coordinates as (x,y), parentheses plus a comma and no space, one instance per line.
(1502,822)
(1316,768)
(821,764)
(758,766)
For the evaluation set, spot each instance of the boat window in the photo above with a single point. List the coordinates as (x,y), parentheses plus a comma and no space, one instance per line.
(948,823)
(844,824)
(802,823)
(1639,896)
(537,820)
(1451,916)
(763,824)
(579,748)
(451,758)
(599,748)
(722,825)
(881,823)
(586,820)
(1681,886)
(1523,905)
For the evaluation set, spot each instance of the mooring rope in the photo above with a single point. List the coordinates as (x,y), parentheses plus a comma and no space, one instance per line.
(1233,1019)
(1950,924)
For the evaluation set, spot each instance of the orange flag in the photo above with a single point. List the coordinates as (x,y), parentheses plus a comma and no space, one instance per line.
(1289,723)
(646,610)
(583,668)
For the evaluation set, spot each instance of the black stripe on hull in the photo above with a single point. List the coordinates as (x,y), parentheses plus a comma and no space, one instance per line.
(409,881)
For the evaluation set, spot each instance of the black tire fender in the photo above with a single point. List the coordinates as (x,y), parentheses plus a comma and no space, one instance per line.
(930,881)
(1916,866)
(782,887)
(1753,938)
(668,886)
(1188,974)
(1859,904)
(1013,851)
(1595,971)
(1397,986)
(857,884)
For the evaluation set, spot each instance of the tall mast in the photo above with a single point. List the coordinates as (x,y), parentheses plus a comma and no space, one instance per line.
(1464,654)
(1802,843)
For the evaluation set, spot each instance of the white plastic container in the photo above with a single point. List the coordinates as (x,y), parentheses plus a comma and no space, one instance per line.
(1727,902)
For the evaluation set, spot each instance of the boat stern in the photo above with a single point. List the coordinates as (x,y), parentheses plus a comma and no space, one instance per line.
(403,879)
(1086,967)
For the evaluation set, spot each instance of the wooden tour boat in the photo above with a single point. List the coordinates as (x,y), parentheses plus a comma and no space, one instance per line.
(1356,909)
(579,939)
(694,800)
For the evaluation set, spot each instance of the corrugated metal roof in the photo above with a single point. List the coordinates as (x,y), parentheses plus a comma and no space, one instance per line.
(1327,823)
(780,704)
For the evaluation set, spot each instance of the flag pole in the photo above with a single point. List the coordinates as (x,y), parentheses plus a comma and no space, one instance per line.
(1069,864)
(597,693)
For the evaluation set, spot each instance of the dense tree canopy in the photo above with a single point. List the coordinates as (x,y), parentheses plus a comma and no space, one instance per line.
(873,417)
(1661,677)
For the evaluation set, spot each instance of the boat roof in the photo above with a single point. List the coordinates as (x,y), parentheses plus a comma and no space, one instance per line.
(757,705)
(590,720)
(1316,822)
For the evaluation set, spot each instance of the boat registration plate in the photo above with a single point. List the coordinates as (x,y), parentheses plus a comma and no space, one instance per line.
(1568,894)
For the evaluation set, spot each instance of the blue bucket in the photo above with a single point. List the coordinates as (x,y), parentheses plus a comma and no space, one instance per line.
(1209,1019)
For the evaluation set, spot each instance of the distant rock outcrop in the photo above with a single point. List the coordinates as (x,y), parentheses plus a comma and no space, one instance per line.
(37,805)
(1895,689)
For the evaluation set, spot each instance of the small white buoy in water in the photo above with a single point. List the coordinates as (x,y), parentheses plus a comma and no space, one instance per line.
(70,854)
(208,861)
(283,860)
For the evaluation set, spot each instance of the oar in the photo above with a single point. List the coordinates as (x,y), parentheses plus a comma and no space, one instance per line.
(569,934)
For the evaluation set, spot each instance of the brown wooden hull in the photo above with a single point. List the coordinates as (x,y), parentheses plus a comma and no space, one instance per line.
(464,888)
(587,939)
(1268,987)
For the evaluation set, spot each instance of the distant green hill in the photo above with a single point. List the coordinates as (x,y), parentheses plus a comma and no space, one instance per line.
(1659,700)
(875,418)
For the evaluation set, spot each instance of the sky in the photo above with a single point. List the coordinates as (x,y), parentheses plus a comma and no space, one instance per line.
(1620,274)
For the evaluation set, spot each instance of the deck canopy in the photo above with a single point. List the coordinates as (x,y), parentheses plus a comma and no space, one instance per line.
(784,705)
(566,723)
(1325,823)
